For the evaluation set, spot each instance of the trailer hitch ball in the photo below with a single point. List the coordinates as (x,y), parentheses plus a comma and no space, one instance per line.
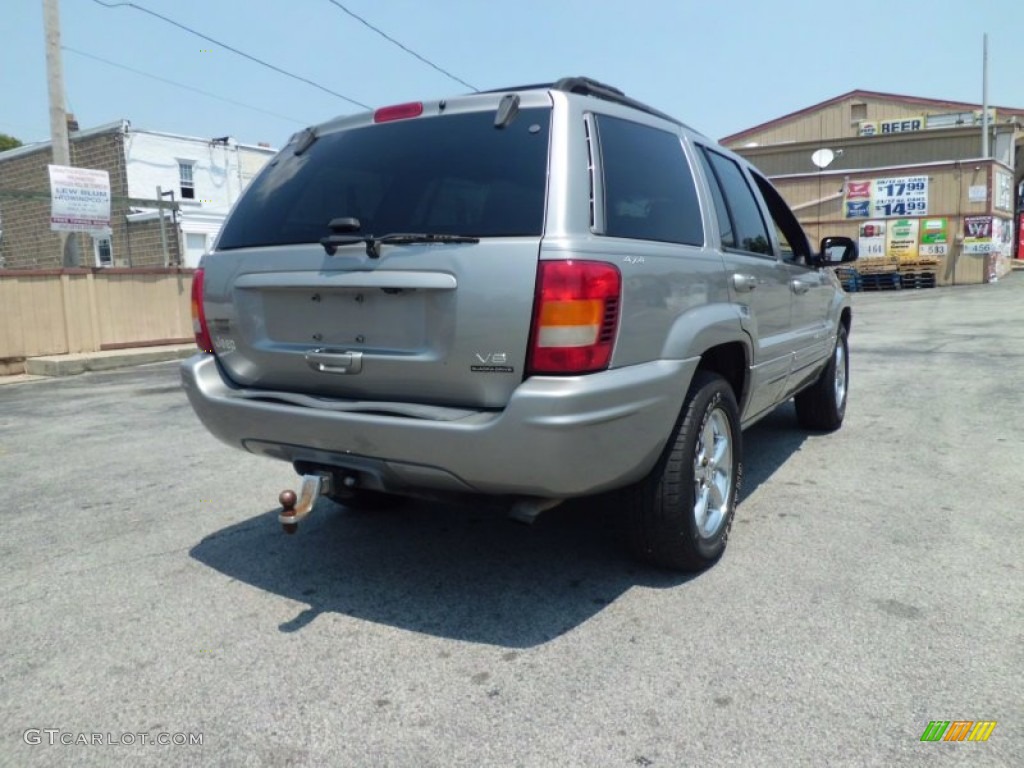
(295,507)
(288,500)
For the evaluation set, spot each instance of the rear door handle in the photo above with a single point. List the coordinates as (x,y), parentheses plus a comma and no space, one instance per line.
(335,361)
(742,282)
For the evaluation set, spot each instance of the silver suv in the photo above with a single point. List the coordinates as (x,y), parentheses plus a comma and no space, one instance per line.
(534,293)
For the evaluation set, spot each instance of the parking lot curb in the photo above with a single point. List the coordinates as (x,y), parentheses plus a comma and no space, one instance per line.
(71,365)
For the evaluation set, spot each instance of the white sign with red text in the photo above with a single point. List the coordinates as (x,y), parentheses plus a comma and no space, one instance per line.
(80,200)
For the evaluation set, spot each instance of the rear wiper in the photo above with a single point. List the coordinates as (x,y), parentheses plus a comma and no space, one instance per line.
(373,243)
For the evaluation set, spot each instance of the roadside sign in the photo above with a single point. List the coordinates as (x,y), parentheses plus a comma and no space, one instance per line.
(80,200)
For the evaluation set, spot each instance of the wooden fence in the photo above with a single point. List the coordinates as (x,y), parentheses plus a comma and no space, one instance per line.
(62,311)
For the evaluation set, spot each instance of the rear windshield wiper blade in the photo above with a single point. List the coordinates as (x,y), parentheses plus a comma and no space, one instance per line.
(373,243)
(405,238)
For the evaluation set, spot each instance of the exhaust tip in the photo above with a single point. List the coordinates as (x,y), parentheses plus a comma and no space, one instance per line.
(527,510)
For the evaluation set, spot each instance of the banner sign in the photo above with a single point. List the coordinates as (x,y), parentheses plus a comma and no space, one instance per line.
(902,240)
(886,198)
(934,238)
(871,243)
(978,235)
(80,200)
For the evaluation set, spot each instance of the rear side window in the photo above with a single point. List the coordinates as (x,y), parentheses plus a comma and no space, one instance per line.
(454,174)
(649,192)
(744,227)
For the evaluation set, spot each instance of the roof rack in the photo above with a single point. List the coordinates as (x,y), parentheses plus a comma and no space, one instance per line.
(586,86)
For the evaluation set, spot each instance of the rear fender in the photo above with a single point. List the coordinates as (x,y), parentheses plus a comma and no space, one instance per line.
(702,328)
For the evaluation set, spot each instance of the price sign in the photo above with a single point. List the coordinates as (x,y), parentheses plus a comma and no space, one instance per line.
(934,238)
(901,197)
(871,245)
(887,198)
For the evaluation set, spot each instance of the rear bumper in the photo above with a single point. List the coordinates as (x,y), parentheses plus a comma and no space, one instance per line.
(557,437)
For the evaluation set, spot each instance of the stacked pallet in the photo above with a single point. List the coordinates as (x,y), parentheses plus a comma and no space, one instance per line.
(849,278)
(919,274)
(877,276)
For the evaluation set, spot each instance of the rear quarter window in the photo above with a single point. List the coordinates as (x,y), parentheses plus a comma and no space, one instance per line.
(649,192)
(451,174)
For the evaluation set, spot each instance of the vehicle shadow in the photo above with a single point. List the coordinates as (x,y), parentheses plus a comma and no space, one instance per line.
(458,571)
(768,445)
(454,571)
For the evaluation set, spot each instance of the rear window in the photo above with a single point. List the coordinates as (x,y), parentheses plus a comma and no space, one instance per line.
(454,174)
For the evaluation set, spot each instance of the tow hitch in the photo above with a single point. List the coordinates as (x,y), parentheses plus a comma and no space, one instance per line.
(296,507)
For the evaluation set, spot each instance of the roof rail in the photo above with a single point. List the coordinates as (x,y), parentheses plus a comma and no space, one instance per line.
(586,86)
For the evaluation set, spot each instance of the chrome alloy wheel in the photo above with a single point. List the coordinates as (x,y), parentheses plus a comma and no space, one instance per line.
(840,379)
(712,474)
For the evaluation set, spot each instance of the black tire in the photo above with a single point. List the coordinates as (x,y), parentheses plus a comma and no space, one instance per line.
(822,406)
(366,501)
(662,509)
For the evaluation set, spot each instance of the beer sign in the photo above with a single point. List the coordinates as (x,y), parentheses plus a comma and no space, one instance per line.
(886,127)
(978,235)
(902,240)
(886,198)
(934,238)
(871,245)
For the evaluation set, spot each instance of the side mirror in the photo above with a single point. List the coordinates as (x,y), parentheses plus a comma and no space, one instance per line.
(835,250)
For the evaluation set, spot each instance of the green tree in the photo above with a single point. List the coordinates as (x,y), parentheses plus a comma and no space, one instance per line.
(8,142)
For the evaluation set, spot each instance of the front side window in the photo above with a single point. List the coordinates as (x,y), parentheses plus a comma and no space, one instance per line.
(649,192)
(452,174)
(745,223)
(792,238)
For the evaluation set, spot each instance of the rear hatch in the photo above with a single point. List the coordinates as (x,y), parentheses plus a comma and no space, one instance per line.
(441,315)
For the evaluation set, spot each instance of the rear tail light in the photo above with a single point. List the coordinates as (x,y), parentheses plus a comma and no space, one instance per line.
(575,317)
(199,328)
(398,112)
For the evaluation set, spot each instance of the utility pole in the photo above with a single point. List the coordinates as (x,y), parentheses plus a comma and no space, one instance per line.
(58,117)
(984,98)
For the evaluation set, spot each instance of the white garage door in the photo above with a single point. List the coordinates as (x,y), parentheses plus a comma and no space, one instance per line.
(195,246)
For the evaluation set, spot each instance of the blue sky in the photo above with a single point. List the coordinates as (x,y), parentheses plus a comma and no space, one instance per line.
(721,67)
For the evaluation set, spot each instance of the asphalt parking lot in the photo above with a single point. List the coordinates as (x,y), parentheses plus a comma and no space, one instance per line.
(874,582)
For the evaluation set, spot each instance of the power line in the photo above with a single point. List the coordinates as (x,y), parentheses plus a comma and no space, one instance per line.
(180,85)
(388,37)
(300,78)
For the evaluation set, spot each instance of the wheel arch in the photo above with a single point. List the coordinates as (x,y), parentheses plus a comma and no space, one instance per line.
(730,361)
(714,333)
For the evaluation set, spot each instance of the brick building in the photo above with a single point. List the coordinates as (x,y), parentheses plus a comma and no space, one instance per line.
(876,165)
(200,180)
